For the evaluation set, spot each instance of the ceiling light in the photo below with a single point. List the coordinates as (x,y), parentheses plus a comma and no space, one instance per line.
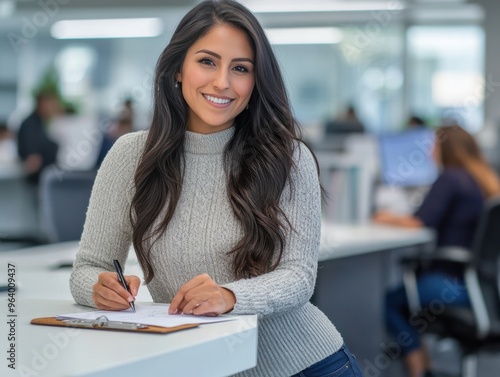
(7,8)
(110,28)
(284,6)
(297,36)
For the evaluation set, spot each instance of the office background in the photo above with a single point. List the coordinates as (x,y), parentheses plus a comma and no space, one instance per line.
(387,59)
(394,58)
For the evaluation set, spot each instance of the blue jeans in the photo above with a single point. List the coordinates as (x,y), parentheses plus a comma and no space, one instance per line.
(340,364)
(436,290)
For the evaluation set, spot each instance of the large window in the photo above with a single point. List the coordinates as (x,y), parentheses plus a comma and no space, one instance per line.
(363,70)
(445,74)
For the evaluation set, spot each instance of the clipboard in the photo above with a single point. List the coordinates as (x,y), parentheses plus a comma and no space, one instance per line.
(102,323)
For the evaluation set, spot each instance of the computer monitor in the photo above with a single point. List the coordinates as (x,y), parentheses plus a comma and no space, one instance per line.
(406,158)
(342,127)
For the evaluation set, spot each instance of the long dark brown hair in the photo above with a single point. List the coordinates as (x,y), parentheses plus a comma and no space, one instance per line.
(258,158)
(457,148)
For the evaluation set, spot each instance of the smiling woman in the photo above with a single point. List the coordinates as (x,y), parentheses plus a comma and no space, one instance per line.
(217,79)
(220,198)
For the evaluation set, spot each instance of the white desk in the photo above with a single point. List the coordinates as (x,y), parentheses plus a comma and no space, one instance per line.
(351,278)
(210,350)
(339,240)
(38,277)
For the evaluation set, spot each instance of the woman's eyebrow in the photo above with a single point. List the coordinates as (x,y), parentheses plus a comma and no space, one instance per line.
(220,57)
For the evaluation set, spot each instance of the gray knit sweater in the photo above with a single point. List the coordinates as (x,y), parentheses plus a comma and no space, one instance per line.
(293,334)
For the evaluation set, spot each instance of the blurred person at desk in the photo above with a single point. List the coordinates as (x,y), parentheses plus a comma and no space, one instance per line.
(123,125)
(36,149)
(452,208)
(220,199)
(345,124)
(351,117)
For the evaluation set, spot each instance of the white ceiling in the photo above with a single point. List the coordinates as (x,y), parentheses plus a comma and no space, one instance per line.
(171,10)
(22,5)
(85,4)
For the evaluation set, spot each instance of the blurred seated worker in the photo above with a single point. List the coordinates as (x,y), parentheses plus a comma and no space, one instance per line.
(123,125)
(415,122)
(347,123)
(351,118)
(8,151)
(35,148)
(452,208)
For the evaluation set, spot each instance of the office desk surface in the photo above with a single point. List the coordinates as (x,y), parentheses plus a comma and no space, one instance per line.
(43,272)
(339,240)
(11,170)
(210,350)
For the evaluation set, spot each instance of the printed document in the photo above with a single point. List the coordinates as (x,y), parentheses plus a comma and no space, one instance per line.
(146,314)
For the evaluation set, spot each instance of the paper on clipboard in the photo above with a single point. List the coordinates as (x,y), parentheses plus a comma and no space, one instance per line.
(156,315)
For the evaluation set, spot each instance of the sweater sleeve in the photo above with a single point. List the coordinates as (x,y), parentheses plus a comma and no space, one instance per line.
(291,284)
(107,233)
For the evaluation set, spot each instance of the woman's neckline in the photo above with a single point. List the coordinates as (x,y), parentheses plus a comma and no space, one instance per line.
(213,143)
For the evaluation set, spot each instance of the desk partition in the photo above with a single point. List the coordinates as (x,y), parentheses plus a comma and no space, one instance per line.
(19,220)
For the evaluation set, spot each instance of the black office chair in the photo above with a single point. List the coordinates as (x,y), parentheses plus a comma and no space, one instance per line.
(476,329)
(64,198)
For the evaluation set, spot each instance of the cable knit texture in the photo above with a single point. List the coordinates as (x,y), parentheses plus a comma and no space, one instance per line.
(293,333)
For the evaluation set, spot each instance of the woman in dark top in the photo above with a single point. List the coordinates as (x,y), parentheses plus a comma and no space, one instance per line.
(452,208)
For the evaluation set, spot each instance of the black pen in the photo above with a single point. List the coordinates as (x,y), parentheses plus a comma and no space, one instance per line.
(119,272)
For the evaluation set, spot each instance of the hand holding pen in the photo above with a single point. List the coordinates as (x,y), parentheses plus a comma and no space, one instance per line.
(122,280)
(110,294)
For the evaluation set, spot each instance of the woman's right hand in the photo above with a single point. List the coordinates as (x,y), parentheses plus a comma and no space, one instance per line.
(109,294)
(406,221)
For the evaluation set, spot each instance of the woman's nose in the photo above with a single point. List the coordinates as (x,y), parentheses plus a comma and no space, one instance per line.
(221,80)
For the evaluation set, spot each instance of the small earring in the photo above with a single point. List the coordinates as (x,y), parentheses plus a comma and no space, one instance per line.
(176,84)
(246,106)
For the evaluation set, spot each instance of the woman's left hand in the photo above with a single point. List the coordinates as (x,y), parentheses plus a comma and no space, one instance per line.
(202,296)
